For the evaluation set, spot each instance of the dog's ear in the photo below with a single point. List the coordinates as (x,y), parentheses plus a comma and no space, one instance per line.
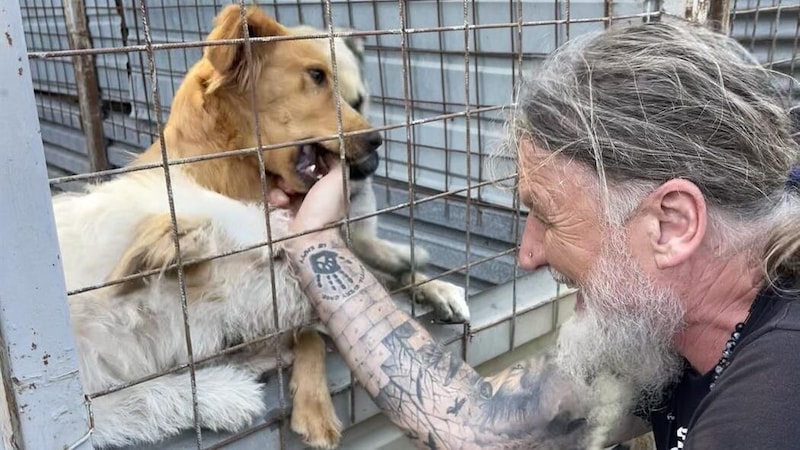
(355,44)
(153,248)
(230,61)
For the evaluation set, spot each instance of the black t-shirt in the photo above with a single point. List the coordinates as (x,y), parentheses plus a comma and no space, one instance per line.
(755,404)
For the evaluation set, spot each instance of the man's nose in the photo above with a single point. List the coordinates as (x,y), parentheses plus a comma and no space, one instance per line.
(531,250)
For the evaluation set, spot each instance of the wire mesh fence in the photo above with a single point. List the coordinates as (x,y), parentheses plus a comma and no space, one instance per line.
(435,78)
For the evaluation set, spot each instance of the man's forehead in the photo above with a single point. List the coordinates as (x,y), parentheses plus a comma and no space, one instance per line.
(544,168)
(550,174)
(533,155)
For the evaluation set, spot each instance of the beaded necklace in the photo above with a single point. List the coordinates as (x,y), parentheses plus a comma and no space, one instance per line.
(730,346)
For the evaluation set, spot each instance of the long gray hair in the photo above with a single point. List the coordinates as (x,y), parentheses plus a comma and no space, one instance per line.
(648,103)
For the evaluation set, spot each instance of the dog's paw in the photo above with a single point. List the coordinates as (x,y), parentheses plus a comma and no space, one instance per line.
(447,300)
(313,417)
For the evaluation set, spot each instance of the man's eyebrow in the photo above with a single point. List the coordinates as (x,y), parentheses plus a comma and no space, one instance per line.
(529,201)
(536,207)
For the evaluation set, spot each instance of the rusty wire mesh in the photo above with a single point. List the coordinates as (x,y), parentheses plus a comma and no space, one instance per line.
(441,75)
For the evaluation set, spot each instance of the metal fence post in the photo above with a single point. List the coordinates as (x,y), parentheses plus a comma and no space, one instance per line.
(44,405)
(717,12)
(87,84)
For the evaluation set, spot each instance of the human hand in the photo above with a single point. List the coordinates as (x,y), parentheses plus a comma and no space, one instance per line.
(323,204)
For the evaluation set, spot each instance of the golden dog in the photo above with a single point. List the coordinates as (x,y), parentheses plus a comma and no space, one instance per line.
(279,92)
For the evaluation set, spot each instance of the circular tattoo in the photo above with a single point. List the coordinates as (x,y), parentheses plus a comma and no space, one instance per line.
(337,276)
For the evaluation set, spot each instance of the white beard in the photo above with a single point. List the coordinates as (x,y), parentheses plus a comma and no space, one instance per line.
(626,329)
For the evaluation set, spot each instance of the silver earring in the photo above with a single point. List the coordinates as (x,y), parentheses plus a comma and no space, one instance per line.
(530,254)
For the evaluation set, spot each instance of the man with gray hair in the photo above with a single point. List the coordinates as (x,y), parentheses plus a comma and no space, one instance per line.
(656,162)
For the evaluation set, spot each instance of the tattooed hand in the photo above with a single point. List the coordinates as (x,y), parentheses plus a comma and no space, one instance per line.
(440,401)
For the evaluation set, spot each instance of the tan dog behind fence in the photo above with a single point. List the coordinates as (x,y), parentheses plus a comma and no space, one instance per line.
(284,115)
(229,299)
(212,113)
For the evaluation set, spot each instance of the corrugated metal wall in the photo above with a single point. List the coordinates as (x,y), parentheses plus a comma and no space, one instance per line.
(436,83)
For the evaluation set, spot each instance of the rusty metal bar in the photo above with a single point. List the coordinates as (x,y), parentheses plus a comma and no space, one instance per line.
(87,84)
(410,156)
(474,54)
(251,64)
(182,45)
(794,58)
(173,219)
(443,90)
(515,203)
(773,33)
(719,15)
(467,146)
(768,9)
(716,14)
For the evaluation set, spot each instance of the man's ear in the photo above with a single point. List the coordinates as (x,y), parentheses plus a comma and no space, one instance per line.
(677,221)
(230,61)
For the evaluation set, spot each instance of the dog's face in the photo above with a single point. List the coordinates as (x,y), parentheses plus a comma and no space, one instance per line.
(349,65)
(294,98)
(350,80)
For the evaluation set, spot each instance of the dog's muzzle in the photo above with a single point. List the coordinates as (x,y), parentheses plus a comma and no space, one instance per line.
(364,167)
(367,165)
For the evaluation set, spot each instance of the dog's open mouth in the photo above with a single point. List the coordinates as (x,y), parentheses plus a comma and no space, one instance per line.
(311,164)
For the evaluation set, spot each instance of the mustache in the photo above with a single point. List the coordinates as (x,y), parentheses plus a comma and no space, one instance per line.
(563,279)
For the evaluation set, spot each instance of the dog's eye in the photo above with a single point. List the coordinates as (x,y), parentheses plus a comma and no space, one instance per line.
(318,76)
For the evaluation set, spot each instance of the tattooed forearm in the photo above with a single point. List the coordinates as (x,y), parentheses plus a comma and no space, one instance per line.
(440,401)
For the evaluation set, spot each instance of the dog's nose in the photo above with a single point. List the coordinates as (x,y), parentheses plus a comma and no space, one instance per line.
(373,141)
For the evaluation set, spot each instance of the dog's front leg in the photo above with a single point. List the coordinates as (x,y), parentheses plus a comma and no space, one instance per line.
(447,299)
(313,416)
